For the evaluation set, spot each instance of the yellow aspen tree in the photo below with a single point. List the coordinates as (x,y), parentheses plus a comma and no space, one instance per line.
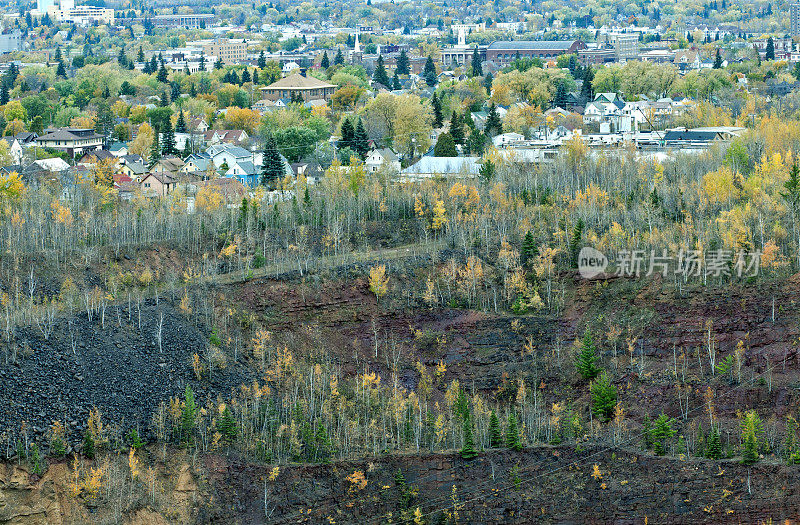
(378,281)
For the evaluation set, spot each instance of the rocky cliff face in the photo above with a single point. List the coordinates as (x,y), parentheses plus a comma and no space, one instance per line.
(543,484)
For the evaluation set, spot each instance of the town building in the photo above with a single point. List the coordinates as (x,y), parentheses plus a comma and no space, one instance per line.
(626,45)
(74,141)
(228,50)
(296,85)
(504,52)
(187,21)
(794,18)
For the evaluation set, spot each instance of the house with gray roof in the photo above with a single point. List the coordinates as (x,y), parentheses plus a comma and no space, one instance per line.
(429,167)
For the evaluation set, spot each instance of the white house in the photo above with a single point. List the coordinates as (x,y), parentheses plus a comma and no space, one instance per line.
(380,157)
(506,139)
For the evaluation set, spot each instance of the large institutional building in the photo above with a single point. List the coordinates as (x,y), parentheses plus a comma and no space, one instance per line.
(503,52)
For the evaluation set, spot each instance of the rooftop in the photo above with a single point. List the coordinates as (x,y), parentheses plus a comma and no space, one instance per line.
(298,81)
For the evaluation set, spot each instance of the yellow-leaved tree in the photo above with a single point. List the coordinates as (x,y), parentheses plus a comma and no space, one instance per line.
(378,281)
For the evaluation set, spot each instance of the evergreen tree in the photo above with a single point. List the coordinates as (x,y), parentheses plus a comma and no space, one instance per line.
(752,430)
(58,55)
(476,143)
(495,434)
(180,125)
(769,54)
(477,67)
(438,119)
(155,148)
(361,140)
(713,444)
(717,60)
(202,62)
(245,77)
(338,60)
(255,76)
(122,60)
(468,449)
(586,358)
(487,83)
(604,398)
(380,76)
(429,73)
(445,147)
(529,250)
(188,415)
(487,171)
(219,64)
(273,168)
(402,66)
(61,71)
(226,426)
(660,432)
(586,88)
(88,444)
(3,94)
(348,135)
(262,60)
(560,100)
(456,128)
(494,125)
(512,433)
(168,139)
(396,82)
(325,62)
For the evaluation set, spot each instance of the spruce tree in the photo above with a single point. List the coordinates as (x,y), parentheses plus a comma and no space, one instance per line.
(769,54)
(487,83)
(429,73)
(529,250)
(155,148)
(380,76)
(180,125)
(140,55)
(396,82)
(477,68)
(512,433)
(494,126)
(604,398)
(262,60)
(585,360)
(325,62)
(468,449)
(456,128)
(226,426)
(3,94)
(348,135)
(361,140)
(717,60)
(402,66)
(61,71)
(338,59)
(168,139)
(436,104)
(188,415)
(273,168)
(88,444)
(713,444)
(495,434)
(245,78)
(445,147)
